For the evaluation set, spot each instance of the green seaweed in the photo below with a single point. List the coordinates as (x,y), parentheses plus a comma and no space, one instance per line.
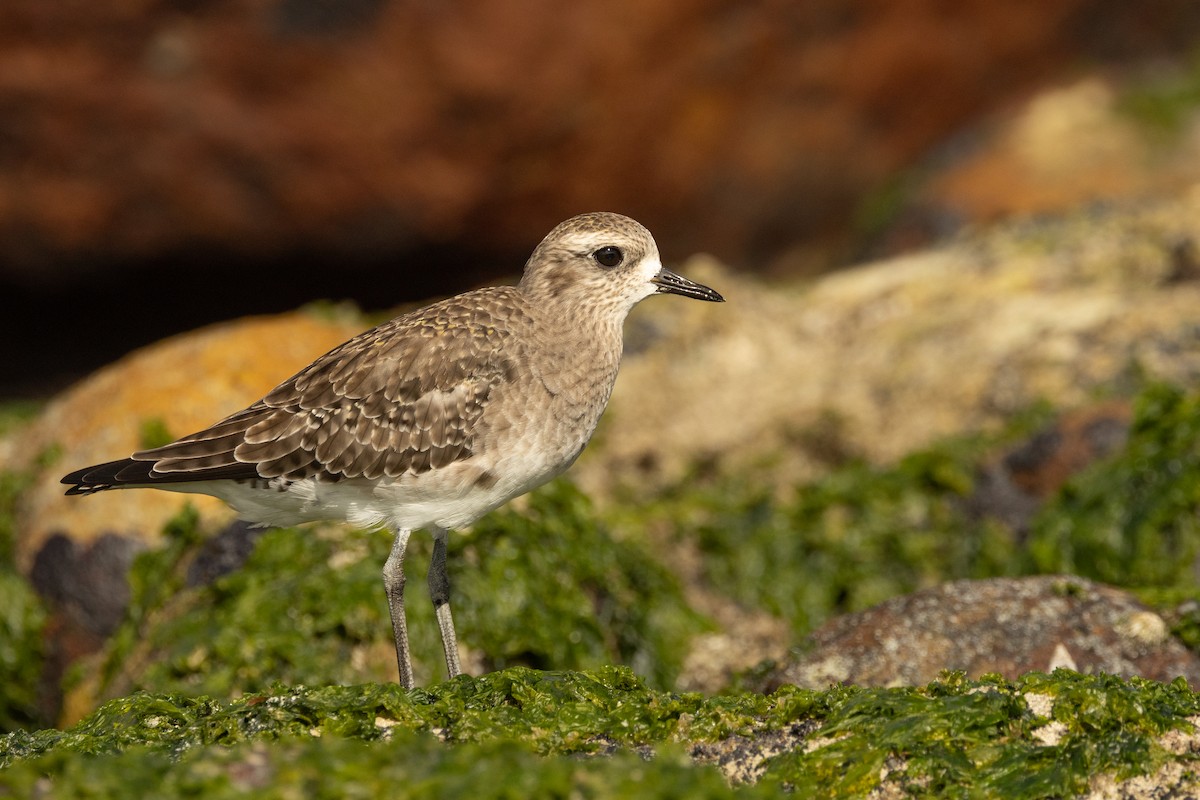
(22,619)
(1131,520)
(153,432)
(14,414)
(1164,103)
(854,538)
(519,733)
(550,712)
(549,585)
(961,738)
(156,579)
(1181,611)
(864,533)
(22,614)
(12,484)
(408,765)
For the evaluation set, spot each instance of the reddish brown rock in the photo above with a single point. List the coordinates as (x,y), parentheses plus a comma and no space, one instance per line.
(131,130)
(1091,141)
(1005,625)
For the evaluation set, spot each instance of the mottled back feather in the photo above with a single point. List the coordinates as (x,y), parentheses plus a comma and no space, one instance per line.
(404,397)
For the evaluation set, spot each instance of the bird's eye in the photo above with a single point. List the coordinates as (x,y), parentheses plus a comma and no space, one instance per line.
(608,256)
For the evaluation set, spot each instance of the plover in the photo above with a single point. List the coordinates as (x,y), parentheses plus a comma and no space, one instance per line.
(435,418)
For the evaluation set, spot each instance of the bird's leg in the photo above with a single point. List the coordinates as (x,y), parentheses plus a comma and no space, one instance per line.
(439,591)
(393,583)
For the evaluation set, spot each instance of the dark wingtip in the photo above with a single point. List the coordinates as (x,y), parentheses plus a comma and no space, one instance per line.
(84,488)
(134,473)
(98,477)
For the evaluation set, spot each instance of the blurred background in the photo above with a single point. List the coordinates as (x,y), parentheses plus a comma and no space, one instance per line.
(168,163)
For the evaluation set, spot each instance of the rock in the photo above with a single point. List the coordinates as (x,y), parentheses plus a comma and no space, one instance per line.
(1069,145)
(369,127)
(1006,625)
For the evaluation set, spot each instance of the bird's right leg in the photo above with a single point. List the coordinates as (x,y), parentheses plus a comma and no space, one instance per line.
(393,584)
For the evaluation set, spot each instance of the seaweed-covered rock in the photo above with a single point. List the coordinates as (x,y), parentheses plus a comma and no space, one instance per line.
(522,732)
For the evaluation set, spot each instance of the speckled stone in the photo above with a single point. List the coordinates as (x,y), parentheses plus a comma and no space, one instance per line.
(1005,625)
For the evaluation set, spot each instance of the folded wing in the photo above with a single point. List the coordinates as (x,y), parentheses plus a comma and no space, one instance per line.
(406,397)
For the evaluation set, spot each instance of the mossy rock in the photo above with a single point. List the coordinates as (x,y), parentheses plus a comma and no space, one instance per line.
(520,733)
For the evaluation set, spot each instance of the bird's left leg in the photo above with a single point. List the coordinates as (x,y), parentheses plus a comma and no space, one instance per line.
(439,591)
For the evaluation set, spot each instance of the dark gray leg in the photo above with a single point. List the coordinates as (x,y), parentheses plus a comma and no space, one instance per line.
(439,591)
(393,584)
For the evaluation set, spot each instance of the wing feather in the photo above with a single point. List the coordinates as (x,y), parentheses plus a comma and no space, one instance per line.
(405,397)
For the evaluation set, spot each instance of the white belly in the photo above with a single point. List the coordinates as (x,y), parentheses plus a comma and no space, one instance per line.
(451,497)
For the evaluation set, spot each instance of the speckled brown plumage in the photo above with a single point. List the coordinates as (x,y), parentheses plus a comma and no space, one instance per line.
(401,398)
(436,417)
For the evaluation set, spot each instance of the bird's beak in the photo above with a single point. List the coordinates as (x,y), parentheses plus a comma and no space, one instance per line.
(670,283)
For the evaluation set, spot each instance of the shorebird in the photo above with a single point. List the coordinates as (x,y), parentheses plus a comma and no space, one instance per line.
(435,418)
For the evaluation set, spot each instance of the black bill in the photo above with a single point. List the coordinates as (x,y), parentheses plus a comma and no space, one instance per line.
(670,283)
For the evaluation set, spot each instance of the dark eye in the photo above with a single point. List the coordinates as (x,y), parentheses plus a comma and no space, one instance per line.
(608,256)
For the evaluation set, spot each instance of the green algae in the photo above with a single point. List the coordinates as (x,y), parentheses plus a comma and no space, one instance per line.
(1131,520)
(1164,103)
(553,587)
(864,533)
(22,618)
(13,483)
(15,414)
(1181,610)
(856,537)
(519,733)
(548,586)
(153,432)
(961,738)
(22,615)
(550,713)
(409,766)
